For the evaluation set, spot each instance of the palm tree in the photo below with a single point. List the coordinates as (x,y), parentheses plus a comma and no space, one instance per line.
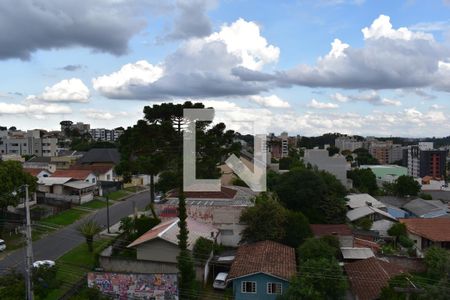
(89,229)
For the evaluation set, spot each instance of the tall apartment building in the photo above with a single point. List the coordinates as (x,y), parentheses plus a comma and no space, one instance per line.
(348,143)
(422,160)
(278,146)
(32,142)
(81,127)
(385,151)
(106,135)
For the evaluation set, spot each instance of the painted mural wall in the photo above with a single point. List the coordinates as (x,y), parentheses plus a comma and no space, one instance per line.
(140,286)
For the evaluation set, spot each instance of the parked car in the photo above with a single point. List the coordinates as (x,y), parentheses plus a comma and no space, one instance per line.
(159,197)
(220,282)
(41,263)
(2,245)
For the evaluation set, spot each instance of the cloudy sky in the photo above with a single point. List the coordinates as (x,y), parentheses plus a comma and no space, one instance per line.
(367,67)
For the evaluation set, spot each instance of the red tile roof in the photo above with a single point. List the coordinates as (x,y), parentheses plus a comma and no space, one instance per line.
(361,243)
(435,229)
(367,277)
(264,257)
(33,172)
(75,174)
(330,229)
(225,193)
(96,169)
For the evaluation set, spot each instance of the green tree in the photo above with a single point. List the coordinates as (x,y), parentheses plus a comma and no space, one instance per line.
(202,249)
(296,229)
(12,286)
(12,178)
(364,157)
(89,229)
(364,223)
(318,279)
(438,262)
(406,186)
(364,180)
(44,280)
(317,248)
(185,263)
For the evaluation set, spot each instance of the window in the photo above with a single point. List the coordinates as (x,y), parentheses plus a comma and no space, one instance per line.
(226,232)
(274,288)
(248,287)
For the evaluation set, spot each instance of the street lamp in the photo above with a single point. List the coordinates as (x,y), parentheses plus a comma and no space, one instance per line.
(29,259)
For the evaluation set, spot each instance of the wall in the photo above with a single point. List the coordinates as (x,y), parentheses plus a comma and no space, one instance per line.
(142,286)
(116,264)
(261,287)
(158,250)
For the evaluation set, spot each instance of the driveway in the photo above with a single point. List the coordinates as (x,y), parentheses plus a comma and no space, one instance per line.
(56,244)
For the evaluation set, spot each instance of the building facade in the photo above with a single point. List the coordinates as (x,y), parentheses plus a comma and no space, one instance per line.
(422,160)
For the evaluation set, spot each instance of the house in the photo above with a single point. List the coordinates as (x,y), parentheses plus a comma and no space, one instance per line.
(38,173)
(368,277)
(43,163)
(421,208)
(356,253)
(336,165)
(363,200)
(370,212)
(220,209)
(100,156)
(262,270)
(342,231)
(74,186)
(66,159)
(428,232)
(102,172)
(158,247)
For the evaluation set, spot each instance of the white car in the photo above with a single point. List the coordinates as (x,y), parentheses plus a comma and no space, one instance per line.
(40,263)
(220,282)
(2,245)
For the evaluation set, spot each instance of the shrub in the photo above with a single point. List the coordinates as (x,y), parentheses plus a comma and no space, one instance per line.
(405,242)
(202,249)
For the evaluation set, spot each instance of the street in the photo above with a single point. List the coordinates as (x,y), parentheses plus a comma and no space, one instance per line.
(56,244)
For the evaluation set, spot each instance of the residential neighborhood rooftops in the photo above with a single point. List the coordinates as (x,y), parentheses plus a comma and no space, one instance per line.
(79,184)
(361,200)
(101,155)
(361,212)
(426,208)
(169,230)
(49,181)
(367,277)
(34,172)
(75,174)
(330,229)
(40,159)
(435,229)
(264,257)
(356,252)
(97,170)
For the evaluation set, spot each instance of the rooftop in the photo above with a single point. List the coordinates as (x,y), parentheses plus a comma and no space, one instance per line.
(75,174)
(356,252)
(330,229)
(361,200)
(97,170)
(101,155)
(421,207)
(169,230)
(361,212)
(264,257)
(436,229)
(367,277)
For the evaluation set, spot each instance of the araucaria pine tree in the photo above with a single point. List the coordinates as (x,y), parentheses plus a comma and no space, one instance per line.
(184,260)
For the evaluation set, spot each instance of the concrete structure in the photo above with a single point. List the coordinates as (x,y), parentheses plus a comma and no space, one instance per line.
(106,135)
(262,270)
(336,165)
(278,146)
(422,160)
(386,152)
(219,209)
(348,143)
(32,142)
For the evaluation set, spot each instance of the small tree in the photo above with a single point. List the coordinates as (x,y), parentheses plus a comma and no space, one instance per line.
(314,248)
(364,223)
(89,229)
(438,262)
(397,230)
(202,249)
(406,186)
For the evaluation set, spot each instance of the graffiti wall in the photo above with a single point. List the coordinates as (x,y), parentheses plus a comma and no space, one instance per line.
(132,286)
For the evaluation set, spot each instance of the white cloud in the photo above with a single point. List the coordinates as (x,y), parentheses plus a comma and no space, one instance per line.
(200,67)
(67,90)
(382,28)
(270,101)
(339,97)
(101,114)
(387,101)
(133,74)
(33,109)
(369,96)
(322,105)
(337,49)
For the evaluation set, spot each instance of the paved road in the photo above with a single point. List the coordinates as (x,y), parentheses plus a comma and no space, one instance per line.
(56,244)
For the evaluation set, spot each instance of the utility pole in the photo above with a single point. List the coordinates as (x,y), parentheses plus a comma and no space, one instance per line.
(29,262)
(107,212)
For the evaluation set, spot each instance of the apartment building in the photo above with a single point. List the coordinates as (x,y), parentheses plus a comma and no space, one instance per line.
(348,143)
(32,142)
(81,127)
(422,160)
(386,152)
(278,146)
(106,135)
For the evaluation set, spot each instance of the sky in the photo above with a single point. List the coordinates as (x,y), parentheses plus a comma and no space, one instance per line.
(308,67)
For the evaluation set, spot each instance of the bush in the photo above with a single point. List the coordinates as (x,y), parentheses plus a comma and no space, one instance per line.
(397,230)
(364,223)
(202,249)
(405,242)
(425,196)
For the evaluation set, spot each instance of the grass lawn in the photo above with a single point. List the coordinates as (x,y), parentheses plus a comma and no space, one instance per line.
(74,265)
(64,218)
(118,194)
(95,204)
(135,189)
